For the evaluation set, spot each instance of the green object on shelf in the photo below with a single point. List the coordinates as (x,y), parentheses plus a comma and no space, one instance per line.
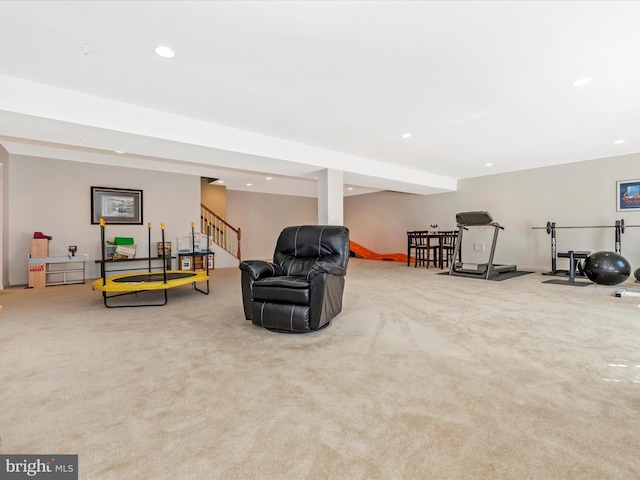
(123,241)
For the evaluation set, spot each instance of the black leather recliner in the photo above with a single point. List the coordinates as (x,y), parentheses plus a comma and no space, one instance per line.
(301,290)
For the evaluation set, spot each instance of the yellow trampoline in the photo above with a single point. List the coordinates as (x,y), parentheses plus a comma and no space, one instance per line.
(137,282)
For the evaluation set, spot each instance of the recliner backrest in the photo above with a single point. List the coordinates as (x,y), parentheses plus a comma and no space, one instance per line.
(300,248)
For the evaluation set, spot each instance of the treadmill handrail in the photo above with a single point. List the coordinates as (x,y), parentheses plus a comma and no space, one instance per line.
(492,224)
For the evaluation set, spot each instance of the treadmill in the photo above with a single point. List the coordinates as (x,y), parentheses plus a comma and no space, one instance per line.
(474,270)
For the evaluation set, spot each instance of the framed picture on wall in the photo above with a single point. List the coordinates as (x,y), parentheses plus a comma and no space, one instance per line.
(118,206)
(627,195)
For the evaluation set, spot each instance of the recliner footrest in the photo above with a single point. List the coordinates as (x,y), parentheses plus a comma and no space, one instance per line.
(280,316)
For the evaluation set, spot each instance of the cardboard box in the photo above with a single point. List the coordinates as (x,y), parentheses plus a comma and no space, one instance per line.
(37,275)
(109,251)
(39,247)
(122,251)
(167,250)
(185,263)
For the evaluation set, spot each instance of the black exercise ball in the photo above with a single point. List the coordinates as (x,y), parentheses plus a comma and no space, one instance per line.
(637,274)
(606,268)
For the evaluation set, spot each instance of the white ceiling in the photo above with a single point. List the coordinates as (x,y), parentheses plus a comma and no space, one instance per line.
(288,88)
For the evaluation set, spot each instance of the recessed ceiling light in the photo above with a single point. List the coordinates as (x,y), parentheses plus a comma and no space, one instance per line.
(581,82)
(406,135)
(350,188)
(220,181)
(268,178)
(616,142)
(248,184)
(120,151)
(165,52)
(488,164)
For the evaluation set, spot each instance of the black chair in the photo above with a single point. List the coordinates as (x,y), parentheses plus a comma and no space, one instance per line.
(414,241)
(420,239)
(301,290)
(426,251)
(448,247)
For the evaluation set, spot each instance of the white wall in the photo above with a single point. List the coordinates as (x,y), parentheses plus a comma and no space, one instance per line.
(261,218)
(581,193)
(4,213)
(53,197)
(214,197)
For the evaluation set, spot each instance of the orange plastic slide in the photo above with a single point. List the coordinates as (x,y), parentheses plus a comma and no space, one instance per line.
(360,252)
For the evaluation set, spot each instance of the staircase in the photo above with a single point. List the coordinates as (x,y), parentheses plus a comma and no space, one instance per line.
(223,234)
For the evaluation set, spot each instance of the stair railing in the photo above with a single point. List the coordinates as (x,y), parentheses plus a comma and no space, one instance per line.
(223,234)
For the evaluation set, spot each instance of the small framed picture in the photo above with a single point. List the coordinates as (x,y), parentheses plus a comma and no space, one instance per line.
(627,195)
(117,206)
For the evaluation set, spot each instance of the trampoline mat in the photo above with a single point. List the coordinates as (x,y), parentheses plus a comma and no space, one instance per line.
(154,277)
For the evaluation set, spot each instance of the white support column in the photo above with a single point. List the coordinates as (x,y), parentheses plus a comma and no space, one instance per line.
(330,196)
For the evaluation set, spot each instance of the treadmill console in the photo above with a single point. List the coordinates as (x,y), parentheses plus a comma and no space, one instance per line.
(473,218)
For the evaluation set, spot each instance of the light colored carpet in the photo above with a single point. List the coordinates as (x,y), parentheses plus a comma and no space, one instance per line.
(421,376)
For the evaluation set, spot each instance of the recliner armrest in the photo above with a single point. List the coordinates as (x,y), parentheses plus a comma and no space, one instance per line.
(324,267)
(258,269)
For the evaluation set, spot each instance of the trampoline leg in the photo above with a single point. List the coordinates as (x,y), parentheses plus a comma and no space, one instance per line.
(206,292)
(107,297)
